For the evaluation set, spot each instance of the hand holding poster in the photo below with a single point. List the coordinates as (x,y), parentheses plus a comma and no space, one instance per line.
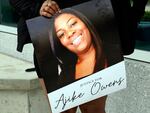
(79,54)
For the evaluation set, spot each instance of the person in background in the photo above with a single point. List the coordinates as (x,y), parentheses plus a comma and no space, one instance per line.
(26,9)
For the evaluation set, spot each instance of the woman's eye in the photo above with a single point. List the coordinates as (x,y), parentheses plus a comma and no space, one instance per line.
(73,23)
(60,35)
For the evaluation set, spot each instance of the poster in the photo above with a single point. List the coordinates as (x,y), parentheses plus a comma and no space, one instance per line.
(79,54)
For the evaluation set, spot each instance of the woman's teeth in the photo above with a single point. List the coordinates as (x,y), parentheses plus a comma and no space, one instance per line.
(77,40)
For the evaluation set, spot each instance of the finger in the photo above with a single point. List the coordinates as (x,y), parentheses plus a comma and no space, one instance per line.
(45,3)
(54,6)
(42,7)
(49,10)
(46,14)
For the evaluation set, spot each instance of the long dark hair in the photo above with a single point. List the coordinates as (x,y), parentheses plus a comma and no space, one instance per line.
(63,55)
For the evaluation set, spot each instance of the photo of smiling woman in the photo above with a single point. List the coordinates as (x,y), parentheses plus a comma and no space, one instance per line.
(78,49)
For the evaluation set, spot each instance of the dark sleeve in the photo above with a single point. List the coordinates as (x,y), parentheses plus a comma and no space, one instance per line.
(26,8)
(127,17)
(126,27)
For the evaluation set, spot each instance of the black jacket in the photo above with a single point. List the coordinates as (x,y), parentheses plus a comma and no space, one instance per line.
(128,16)
(26,9)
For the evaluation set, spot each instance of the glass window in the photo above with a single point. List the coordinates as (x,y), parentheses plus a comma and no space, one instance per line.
(7,14)
(143,34)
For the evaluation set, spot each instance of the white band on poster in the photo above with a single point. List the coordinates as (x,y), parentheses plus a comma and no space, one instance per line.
(89,88)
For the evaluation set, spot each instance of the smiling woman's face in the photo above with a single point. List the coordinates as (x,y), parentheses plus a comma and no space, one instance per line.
(72,33)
